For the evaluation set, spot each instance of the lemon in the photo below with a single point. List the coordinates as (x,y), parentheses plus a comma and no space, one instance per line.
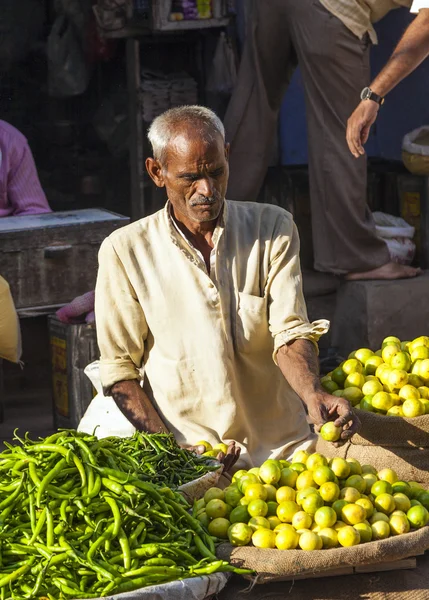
(256,523)
(269,472)
(416,367)
(304,480)
(391,339)
(214,493)
(425,403)
(396,379)
(405,345)
(256,491)
(381,371)
(413,408)
(281,526)
(271,492)
(316,460)
(257,508)
(246,480)
(301,494)
(203,519)
(338,376)
(330,386)
(388,475)
(378,516)
(338,506)
(423,340)
(367,506)
(264,538)
(340,467)
(232,495)
(311,503)
(286,511)
(348,536)
(350,494)
(399,524)
(402,502)
(389,352)
(206,445)
(369,479)
(221,448)
(385,503)
(219,528)
(355,466)
(353,395)
(310,541)
(408,392)
(239,514)
(401,361)
(395,411)
(300,456)
(216,508)
(381,487)
(302,520)
(364,531)
(363,354)
(357,482)
(285,493)
(372,364)
(288,477)
(370,388)
(354,380)
(322,475)
(244,501)
(382,401)
(353,513)
(415,381)
(401,487)
(329,537)
(237,475)
(424,392)
(287,539)
(255,471)
(273,521)
(418,516)
(368,469)
(325,517)
(352,365)
(330,432)
(298,467)
(380,530)
(329,491)
(240,534)
(272,508)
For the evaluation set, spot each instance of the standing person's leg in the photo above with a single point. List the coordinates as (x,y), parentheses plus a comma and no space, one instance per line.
(335,68)
(252,115)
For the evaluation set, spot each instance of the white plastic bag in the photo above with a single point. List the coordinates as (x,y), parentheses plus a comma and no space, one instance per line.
(223,72)
(398,235)
(417,141)
(103,416)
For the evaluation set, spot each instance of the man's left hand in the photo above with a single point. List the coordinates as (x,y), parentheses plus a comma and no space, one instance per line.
(228,460)
(324,407)
(359,125)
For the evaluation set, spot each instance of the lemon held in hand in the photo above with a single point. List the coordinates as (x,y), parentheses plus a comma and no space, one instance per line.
(330,432)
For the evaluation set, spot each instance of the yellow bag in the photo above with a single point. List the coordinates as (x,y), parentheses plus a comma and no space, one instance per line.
(10,333)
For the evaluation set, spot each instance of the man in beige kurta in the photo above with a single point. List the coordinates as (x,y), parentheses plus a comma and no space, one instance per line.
(203,332)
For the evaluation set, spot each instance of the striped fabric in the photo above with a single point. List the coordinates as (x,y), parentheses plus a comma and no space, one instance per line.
(20,189)
(358,15)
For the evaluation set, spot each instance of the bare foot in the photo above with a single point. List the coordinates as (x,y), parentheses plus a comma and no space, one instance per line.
(390,270)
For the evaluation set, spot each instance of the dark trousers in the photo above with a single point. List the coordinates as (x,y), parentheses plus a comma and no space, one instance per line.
(335,68)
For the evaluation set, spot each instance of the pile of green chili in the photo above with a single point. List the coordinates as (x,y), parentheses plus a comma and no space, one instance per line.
(78,520)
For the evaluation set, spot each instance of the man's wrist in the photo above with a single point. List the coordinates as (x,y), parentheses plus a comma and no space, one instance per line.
(369,93)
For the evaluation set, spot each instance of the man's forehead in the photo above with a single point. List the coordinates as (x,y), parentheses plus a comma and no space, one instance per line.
(189,148)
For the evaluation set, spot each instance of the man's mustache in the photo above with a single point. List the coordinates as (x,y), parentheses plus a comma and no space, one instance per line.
(203,200)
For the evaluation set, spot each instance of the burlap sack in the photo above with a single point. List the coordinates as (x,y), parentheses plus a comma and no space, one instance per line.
(394,442)
(275,565)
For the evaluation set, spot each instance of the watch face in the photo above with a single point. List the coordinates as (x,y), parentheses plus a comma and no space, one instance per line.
(365,94)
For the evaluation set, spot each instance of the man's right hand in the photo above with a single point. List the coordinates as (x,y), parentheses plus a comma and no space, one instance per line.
(359,125)
(228,460)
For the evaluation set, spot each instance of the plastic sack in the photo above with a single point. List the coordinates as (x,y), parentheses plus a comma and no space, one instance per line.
(415,151)
(398,235)
(68,74)
(10,332)
(223,72)
(102,416)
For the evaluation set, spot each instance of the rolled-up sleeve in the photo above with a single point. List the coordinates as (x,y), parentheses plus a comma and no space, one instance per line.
(121,324)
(288,318)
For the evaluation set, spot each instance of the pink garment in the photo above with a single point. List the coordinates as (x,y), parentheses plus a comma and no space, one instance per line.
(79,310)
(20,189)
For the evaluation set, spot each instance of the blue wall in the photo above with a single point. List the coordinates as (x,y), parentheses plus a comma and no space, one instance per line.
(406,107)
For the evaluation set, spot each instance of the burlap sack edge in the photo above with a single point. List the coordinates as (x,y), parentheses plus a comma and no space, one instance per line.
(274,565)
(380,430)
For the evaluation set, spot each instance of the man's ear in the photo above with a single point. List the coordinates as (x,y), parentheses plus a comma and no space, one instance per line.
(153,167)
(227,147)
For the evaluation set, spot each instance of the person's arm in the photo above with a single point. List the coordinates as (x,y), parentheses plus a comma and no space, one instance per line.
(24,192)
(121,334)
(408,54)
(299,365)
(295,338)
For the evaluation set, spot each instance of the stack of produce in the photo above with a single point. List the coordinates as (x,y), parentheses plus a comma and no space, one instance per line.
(82,518)
(392,381)
(313,503)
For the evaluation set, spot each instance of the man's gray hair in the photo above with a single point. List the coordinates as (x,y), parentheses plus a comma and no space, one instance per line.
(165,127)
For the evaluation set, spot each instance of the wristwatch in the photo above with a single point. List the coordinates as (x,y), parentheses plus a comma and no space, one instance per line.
(368,94)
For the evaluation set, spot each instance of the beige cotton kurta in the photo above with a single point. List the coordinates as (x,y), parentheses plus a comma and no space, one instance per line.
(205,345)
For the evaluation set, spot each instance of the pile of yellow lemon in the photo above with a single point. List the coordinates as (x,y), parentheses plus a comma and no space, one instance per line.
(312,503)
(392,381)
